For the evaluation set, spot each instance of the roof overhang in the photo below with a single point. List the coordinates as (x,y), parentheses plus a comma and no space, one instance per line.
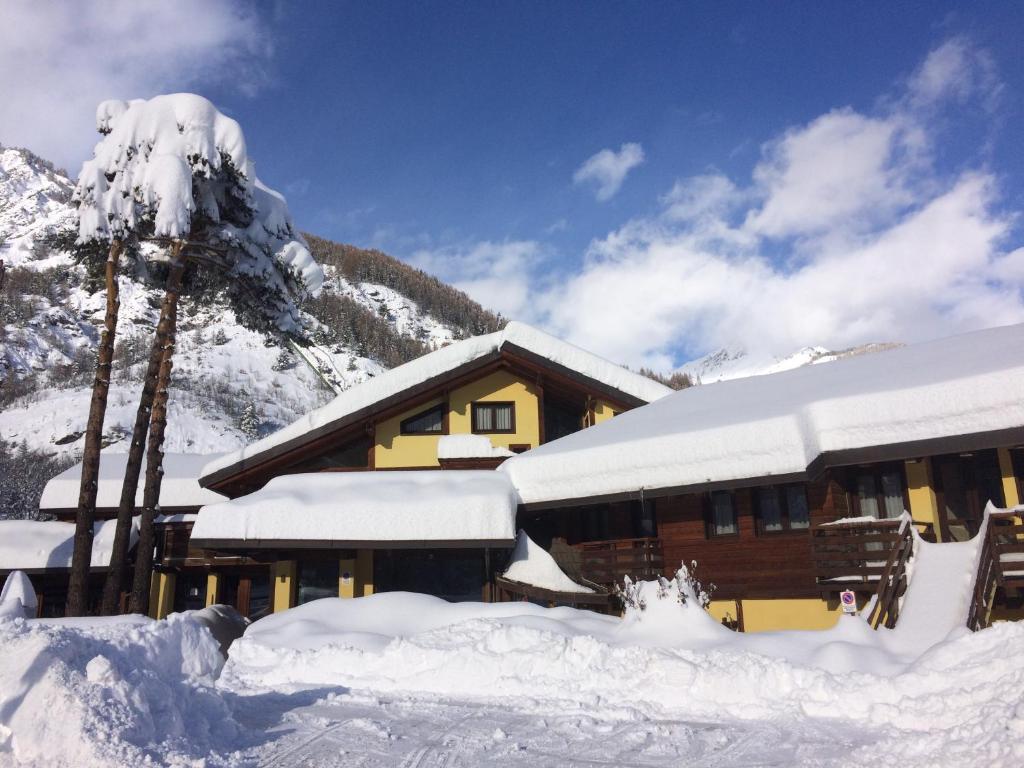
(907,451)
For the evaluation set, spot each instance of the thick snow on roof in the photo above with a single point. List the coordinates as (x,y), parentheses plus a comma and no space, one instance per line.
(469,447)
(30,544)
(532,564)
(442,361)
(340,507)
(779,423)
(179,488)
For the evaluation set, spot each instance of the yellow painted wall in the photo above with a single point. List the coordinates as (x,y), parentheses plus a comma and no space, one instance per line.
(721,609)
(1009,480)
(283,573)
(161,594)
(212,588)
(924,507)
(769,615)
(393,449)
(602,411)
(498,387)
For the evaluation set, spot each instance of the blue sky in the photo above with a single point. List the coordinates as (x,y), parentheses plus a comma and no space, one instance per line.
(456,136)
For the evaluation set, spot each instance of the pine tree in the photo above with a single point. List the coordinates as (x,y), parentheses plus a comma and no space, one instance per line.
(249,421)
(285,361)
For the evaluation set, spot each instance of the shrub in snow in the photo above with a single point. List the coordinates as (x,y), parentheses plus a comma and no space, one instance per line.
(684,588)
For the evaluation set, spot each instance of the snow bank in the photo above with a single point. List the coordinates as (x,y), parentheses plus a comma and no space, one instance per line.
(32,544)
(348,508)
(110,693)
(440,362)
(469,447)
(179,488)
(778,424)
(962,700)
(531,564)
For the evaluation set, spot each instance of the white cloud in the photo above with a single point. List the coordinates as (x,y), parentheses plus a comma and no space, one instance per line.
(846,232)
(498,275)
(608,169)
(954,70)
(841,169)
(650,286)
(59,60)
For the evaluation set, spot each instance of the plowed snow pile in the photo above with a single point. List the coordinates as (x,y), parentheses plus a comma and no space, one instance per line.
(960,703)
(109,692)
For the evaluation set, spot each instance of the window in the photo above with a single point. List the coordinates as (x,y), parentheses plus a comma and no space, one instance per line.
(318,578)
(878,492)
(723,515)
(429,422)
(494,417)
(964,483)
(782,508)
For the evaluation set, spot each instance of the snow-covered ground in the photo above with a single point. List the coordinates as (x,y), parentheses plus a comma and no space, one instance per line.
(409,680)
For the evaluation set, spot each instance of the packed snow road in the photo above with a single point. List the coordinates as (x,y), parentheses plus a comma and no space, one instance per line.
(323,729)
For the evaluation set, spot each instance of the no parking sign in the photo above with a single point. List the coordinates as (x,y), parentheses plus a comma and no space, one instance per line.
(848,600)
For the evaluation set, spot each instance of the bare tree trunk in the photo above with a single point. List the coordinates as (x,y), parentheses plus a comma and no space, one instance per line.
(85,518)
(164,345)
(117,575)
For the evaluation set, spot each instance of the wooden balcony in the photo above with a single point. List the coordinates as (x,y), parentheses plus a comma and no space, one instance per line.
(853,555)
(607,562)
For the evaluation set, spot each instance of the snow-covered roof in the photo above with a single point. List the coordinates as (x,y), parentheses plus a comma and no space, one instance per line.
(435,507)
(34,544)
(780,423)
(179,488)
(469,447)
(436,364)
(532,564)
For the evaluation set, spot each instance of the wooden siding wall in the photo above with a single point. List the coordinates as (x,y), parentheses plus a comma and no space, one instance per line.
(747,565)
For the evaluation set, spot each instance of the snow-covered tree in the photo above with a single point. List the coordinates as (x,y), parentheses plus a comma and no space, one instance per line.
(285,361)
(176,171)
(249,421)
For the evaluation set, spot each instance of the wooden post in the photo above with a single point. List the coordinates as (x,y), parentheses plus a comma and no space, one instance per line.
(85,518)
(347,577)
(212,588)
(161,593)
(364,573)
(924,506)
(1009,479)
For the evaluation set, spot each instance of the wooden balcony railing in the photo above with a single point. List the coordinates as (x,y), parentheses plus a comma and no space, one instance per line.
(893,583)
(1001,566)
(854,554)
(606,562)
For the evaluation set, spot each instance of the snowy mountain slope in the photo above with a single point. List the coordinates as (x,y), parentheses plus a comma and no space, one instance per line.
(724,364)
(34,199)
(229,385)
